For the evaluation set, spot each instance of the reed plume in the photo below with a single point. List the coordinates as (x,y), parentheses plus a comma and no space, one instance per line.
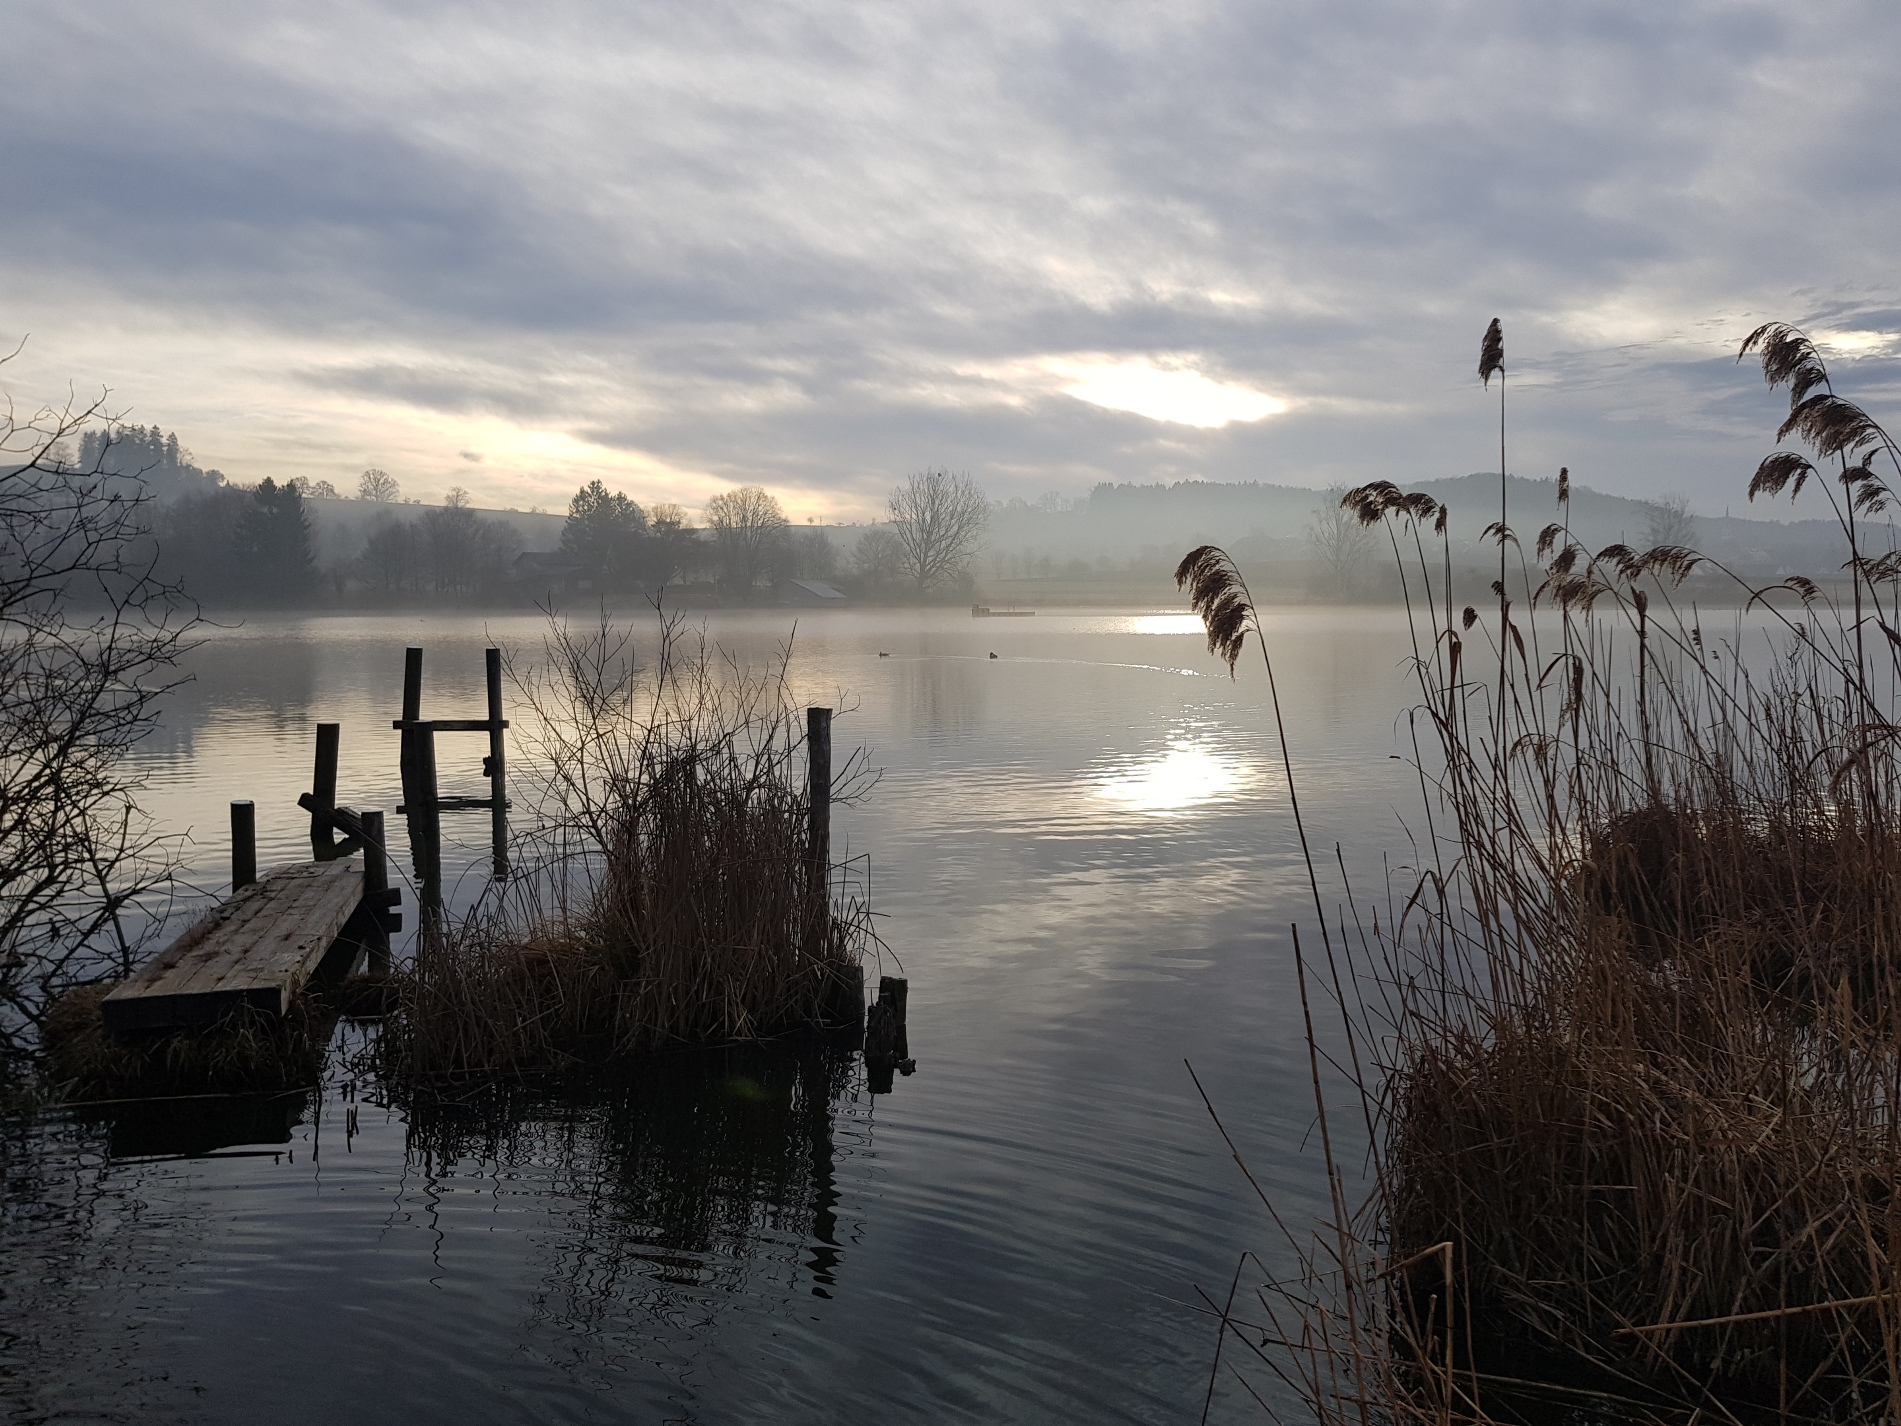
(1218,593)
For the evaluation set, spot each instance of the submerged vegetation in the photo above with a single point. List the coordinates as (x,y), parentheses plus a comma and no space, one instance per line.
(1626,1043)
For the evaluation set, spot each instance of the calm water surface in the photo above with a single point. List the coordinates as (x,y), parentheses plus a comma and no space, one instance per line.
(1082,853)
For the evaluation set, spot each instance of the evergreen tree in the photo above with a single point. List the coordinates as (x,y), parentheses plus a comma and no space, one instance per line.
(274,554)
(607,533)
(154,456)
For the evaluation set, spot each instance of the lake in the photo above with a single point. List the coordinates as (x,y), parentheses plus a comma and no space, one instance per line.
(1081,853)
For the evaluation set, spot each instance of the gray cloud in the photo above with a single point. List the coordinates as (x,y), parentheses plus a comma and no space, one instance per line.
(788,243)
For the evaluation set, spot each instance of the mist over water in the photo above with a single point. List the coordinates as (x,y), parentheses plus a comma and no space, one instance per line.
(1081,854)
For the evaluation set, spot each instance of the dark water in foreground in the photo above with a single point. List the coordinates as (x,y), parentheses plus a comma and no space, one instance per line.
(1081,853)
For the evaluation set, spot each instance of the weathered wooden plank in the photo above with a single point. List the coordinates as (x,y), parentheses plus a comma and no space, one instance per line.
(288,950)
(282,893)
(275,943)
(222,939)
(298,898)
(256,949)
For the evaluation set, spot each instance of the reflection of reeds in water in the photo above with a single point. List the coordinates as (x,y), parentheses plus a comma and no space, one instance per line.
(669,893)
(682,1176)
(1627,1042)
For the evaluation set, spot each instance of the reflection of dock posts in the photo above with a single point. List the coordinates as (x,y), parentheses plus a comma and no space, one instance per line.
(420,801)
(243,843)
(323,791)
(495,766)
(377,900)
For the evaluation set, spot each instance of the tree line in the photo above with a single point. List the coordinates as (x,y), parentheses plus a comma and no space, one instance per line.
(936,524)
(225,543)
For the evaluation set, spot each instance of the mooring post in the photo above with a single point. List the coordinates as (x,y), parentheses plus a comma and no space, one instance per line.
(818,831)
(243,843)
(380,921)
(420,799)
(818,784)
(497,766)
(412,685)
(429,869)
(323,789)
(887,1045)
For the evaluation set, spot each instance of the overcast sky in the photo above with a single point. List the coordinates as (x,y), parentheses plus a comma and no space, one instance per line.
(1051,242)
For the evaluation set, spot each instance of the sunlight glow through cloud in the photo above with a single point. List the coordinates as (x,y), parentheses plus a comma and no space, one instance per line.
(1160,393)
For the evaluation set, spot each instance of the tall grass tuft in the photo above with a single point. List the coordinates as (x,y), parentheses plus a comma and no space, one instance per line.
(668,894)
(1626,1038)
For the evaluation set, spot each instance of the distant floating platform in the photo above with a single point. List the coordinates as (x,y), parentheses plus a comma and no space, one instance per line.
(981,611)
(257,950)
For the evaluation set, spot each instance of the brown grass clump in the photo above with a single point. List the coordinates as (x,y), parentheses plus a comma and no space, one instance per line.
(1627,1043)
(674,897)
(248,1051)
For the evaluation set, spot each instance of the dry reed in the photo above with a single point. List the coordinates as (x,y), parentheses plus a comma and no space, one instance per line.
(245,1052)
(669,894)
(1627,1043)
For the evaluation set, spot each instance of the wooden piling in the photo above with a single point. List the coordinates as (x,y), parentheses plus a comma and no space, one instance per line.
(887,1046)
(497,766)
(376,894)
(421,799)
(412,685)
(323,789)
(243,843)
(818,784)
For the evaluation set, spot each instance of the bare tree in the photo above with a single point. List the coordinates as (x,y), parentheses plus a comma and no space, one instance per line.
(747,526)
(676,544)
(89,640)
(1668,521)
(1341,545)
(378,485)
(938,519)
(877,562)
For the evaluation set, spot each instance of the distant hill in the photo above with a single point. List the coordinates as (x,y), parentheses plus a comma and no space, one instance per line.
(1123,522)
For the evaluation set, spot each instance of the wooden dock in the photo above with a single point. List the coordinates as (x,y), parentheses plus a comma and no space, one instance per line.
(256,949)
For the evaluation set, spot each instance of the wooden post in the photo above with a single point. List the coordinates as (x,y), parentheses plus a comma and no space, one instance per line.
(379,922)
(243,843)
(818,832)
(323,789)
(497,768)
(887,1047)
(818,785)
(412,685)
(420,797)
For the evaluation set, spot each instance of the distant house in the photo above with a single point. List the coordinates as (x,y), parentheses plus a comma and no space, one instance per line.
(549,572)
(810,594)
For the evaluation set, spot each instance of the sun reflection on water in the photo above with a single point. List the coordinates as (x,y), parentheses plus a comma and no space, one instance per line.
(1186,774)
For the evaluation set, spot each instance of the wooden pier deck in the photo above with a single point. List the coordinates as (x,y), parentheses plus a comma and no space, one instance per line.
(256,949)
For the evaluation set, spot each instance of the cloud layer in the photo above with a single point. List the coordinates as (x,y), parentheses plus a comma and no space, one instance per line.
(818,245)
